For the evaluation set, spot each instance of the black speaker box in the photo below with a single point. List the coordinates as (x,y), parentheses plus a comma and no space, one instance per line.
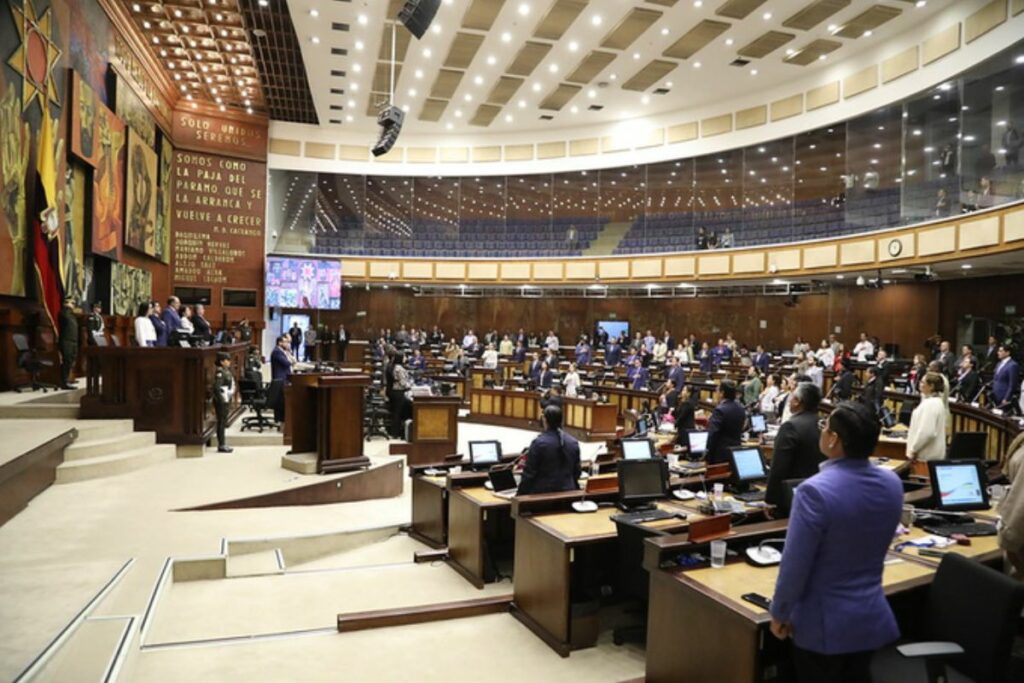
(417,15)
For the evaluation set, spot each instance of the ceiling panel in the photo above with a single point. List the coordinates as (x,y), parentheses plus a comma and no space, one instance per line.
(560,96)
(559,18)
(815,13)
(278,56)
(696,38)
(445,84)
(868,20)
(812,51)
(738,9)
(530,55)
(382,76)
(432,109)
(649,75)
(591,66)
(402,39)
(463,50)
(632,26)
(481,14)
(504,89)
(765,44)
(484,115)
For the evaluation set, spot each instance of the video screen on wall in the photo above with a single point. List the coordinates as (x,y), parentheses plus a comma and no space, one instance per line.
(614,328)
(303,283)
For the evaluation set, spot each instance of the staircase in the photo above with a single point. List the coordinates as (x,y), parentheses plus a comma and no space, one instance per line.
(606,241)
(106,448)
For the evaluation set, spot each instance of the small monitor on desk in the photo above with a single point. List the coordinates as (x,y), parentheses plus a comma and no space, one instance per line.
(697,440)
(484,453)
(641,482)
(637,449)
(958,485)
(757,424)
(641,427)
(747,467)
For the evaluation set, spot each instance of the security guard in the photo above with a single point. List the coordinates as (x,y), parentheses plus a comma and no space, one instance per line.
(223,390)
(67,326)
(553,460)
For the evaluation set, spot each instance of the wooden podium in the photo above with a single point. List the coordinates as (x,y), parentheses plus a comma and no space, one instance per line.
(300,411)
(339,422)
(435,429)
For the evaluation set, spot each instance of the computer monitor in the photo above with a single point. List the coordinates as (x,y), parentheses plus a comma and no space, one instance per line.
(747,467)
(886,417)
(484,453)
(641,426)
(958,485)
(637,449)
(757,424)
(697,440)
(641,482)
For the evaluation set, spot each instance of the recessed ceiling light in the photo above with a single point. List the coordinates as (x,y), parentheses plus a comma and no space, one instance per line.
(575,109)
(553,68)
(458,113)
(506,37)
(573,46)
(467,97)
(867,34)
(418,73)
(966,266)
(591,93)
(426,52)
(698,4)
(921,3)
(360,45)
(412,92)
(645,99)
(790,51)
(349,118)
(596,20)
(314,13)
(664,31)
(636,55)
(492,60)
(316,40)
(355,87)
(767,16)
(696,65)
(753,72)
(351,103)
(479,80)
(448,126)
(436,29)
(832,28)
(536,87)
(729,41)
(524,9)
(822,57)
(363,20)
(612,77)
(508,118)
(357,67)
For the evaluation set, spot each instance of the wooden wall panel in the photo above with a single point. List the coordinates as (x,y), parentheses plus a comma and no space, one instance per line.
(684,132)
(941,44)
(862,81)
(1013,226)
(937,241)
(787,260)
(822,96)
(984,20)
(483,271)
(980,233)
(787,107)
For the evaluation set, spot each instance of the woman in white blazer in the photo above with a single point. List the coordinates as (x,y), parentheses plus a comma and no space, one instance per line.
(926,439)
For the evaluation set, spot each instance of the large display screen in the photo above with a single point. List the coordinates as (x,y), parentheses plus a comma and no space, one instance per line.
(614,328)
(303,283)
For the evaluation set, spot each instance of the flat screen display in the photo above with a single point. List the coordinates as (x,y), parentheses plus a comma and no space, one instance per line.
(749,465)
(757,424)
(303,283)
(637,449)
(959,485)
(641,480)
(614,328)
(484,452)
(698,441)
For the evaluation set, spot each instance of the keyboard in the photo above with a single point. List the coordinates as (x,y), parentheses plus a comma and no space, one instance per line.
(750,496)
(644,516)
(972,529)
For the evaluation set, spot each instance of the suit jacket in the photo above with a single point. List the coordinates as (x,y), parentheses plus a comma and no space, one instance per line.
(161,330)
(552,464)
(684,416)
(583,354)
(948,361)
(844,386)
(544,379)
(535,370)
(172,320)
(641,378)
(830,582)
(280,365)
(871,394)
(202,326)
(678,376)
(613,355)
(725,430)
(519,354)
(762,361)
(968,385)
(796,454)
(1005,381)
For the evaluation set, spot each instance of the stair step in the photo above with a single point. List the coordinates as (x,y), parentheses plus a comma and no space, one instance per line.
(39,412)
(89,430)
(93,448)
(89,654)
(111,465)
(255,564)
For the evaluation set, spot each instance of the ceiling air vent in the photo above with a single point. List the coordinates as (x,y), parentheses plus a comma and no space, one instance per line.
(661,91)
(739,61)
(546,117)
(595,107)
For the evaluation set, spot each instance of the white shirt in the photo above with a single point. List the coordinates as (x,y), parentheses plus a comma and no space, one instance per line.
(570,383)
(927,435)
(468,341)
(552,343)
(682,353)
(863,349)
(490,358)
(187,326)
(817,375)
(145,333)
(768,397)
(826,356)
(660,351)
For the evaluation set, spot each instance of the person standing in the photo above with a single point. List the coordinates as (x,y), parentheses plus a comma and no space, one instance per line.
(159,326)
(725,428)
(828,595)
(343,342)
(201,324)
(281,361)
(926,438)
(67,329)
(796,452)
(309,341)
(295,334)
(145,333)
(223,390)
(171,317)
(1005,379)
(553,459)
(571,381)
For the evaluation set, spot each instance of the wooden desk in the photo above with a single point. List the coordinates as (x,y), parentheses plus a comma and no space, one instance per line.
(585,419)
(429,509)
(982,548)
(165,390)
(471,512)
(435,428)
(734,643)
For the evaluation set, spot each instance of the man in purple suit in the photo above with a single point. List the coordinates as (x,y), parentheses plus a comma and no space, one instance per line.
(828,596)
(1005,379)
(171,317)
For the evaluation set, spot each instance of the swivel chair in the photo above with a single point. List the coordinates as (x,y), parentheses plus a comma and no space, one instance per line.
(255,396)
(30,362)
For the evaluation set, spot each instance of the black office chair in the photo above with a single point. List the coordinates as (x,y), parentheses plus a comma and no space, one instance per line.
(30,362)
(376,416)
(633,580)
(973,613)
(967,446)
(255,397)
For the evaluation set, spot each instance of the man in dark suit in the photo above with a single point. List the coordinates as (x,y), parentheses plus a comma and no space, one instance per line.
(871,394)
(675,373)
(613,352)
(1006,379)
(947,358)
(519,353)
(796,453)
(670,342)
(295,337)
(762,359)
(202,325)
(968,382)
(545,377)
(535,367)
(991,354)
(281,360)
(553,459)
(725,428)
(171,317)
(843,387)
(158,325)
(67,328)
(639,375)
(602,337)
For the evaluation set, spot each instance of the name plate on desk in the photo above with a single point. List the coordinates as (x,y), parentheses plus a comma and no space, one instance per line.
(710,528)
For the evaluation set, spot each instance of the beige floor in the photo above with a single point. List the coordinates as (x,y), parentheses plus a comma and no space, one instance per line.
(56,554)
(20,436)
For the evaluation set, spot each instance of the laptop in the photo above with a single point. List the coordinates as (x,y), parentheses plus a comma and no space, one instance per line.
(483,454)
(504,482)
(697,440)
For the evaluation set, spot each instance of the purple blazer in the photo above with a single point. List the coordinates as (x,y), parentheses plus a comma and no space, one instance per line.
(830,582)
